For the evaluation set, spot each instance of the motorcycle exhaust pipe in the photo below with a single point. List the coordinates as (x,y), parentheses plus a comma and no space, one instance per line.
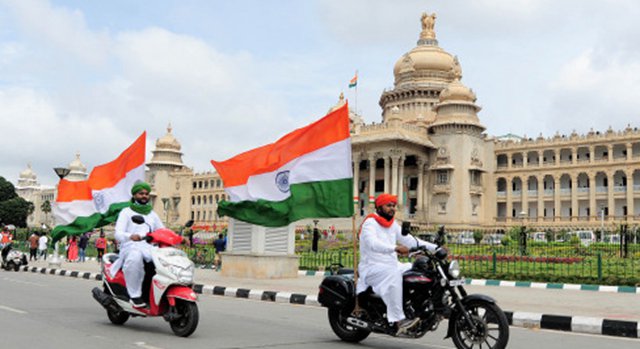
(358,323)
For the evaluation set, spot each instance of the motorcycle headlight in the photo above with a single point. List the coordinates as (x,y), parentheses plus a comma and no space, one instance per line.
(454,269)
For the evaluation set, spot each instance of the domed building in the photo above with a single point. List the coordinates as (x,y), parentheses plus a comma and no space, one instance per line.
(30,189)
(77,170)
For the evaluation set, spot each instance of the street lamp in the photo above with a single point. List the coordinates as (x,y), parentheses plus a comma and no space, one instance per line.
(55,260)
(523,234)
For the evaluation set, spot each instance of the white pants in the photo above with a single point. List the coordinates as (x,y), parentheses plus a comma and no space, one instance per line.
(131,259)
(386,281)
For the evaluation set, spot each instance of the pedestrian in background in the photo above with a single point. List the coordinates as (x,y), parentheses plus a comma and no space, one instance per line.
(42,245)
(220,245)
(101,246)
(72,250)
(33,246)
(82,246)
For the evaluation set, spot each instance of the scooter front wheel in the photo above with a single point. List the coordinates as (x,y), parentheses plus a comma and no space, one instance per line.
(186,324)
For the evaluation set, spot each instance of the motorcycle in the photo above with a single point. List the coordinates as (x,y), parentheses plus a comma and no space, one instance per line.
(433,290)
(12,258)
(167,285)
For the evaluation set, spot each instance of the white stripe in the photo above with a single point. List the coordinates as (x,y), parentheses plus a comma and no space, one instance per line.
(586,325)
(328,163)
(528,320)
(608,289)
(283,297)
(121,192)
(230,292)
(256,294)
(14,310)
(312,299)
(538,285)
(476,282)
(508,283)
(67,212)
(572,287)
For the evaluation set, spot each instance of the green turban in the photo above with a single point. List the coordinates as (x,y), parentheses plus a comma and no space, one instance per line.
(139,186)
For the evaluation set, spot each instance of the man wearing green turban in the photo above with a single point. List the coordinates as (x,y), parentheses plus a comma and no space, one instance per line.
(134,250)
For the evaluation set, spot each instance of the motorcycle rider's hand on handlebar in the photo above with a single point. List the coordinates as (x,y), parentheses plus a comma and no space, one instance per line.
(402,250)
(135,237)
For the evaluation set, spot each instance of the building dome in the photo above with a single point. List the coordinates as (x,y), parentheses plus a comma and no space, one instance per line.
(168,141)
(28,173)
(426,62)
(456,91)
(77,170)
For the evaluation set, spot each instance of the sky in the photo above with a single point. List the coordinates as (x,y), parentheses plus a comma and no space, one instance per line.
(91,76)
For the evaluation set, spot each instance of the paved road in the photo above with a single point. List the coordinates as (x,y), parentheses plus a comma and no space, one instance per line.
(51,312)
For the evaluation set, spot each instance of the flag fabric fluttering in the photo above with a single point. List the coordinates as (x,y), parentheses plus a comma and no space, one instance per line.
(305,174)
(85,205)
(354,81)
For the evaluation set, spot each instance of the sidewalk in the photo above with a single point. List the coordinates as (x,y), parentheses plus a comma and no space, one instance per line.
(615,306)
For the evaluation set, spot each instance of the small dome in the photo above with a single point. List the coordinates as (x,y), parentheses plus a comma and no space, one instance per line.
(168,141)
(27,173)
(456,91)
(76,165)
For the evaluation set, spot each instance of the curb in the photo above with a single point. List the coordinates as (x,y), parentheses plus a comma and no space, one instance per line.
(579,324)
(526,284)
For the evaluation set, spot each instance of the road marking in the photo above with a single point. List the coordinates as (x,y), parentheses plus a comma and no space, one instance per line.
(17,281)
(12,309)
(145,345)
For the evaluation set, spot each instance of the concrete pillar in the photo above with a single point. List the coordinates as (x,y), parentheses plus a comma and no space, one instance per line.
(610,200)
(630,204)
(372,182)
(574,197)
(574,155)
(401,182)
(540,199)
(592,155)
(593,209)
(394,174)
(420,163)
(556,196)
(387,180)
(509,199)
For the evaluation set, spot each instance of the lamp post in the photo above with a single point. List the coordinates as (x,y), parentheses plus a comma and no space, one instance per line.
(55,260)
(523,234)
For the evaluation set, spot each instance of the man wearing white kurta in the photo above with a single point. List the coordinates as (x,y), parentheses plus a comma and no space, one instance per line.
(133,249)
(379,266)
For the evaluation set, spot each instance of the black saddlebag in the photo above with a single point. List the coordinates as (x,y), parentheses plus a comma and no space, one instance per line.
(337,291)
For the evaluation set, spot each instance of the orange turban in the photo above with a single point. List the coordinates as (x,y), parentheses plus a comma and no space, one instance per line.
(384,199)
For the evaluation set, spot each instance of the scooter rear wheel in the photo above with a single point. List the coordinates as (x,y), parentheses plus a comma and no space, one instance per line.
(16,267)
(118,318)
(187,323)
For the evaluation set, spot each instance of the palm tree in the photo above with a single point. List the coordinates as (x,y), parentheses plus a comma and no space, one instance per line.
(46,208)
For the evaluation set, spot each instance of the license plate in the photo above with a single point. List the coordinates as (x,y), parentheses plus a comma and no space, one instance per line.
(458,282)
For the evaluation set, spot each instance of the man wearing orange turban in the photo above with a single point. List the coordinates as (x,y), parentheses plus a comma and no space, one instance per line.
(381,241)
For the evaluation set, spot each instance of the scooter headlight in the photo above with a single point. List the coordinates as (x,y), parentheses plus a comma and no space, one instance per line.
(454,269)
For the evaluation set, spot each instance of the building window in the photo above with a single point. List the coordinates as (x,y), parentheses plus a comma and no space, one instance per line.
(442,207)
(442,177)
(195,185)
(218,183)
(474,209)
(193,201)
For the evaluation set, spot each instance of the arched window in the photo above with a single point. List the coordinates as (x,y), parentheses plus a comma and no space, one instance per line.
(193,201)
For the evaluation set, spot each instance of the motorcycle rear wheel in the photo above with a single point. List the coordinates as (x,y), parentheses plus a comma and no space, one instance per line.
(188,322)
(346,332)
(16,267)
(118,318)
(9,265)
(492,330)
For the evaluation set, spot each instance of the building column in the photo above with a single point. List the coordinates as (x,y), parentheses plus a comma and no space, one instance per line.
(630,204)
(387,180)
(356,182)
(401,183)
(556,197)
(540,199)
(509,160)
(556,153)
(593,210)
(525,197)
(509,199)
(629,153)
(525,160)
(574,156)
(372,182)
(395,159)
(610,152)
(574,197)
(592,154)
(540,158)
(610,201)
(420,163)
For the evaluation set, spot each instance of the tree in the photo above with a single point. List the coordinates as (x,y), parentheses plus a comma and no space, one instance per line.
(46,208)
(13,209)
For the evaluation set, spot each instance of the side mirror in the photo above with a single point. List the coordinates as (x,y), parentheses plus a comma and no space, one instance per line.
(406,228)
(189,223)
(137,219)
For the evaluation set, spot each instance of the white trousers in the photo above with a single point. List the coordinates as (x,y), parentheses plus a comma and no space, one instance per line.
(386,281)
(132,259)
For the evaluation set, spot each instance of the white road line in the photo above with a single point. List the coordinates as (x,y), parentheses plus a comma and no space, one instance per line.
(14,310)
(145,345)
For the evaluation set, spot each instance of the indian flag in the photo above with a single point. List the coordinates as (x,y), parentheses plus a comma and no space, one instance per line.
(305,174)
(354,82)
(83,206)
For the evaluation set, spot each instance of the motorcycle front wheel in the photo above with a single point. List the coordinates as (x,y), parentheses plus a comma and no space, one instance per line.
(490,327)
(345,331)
(188,321)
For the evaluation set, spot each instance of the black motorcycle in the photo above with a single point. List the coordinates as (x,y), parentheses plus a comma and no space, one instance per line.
(432,291)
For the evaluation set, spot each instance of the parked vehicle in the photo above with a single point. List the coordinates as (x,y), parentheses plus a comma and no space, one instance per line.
(433,291)
(429,237)
(539,236)
(167,285)
(465,238)
(586,237)
(492,239)
(612,239)
(12,258)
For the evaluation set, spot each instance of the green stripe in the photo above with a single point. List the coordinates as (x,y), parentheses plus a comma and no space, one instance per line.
(589,287)
(323,199)
(523,283)
(555,286)
(82,225)
(492,283)
(626,289)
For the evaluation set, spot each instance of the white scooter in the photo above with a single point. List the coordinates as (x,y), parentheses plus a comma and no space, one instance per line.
(12,258)
(167,285)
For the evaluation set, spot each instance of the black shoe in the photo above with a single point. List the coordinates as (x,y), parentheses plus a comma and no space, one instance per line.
(137,302)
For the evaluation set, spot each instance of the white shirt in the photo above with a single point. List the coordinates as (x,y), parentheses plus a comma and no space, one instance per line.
(42,242)
(125,226)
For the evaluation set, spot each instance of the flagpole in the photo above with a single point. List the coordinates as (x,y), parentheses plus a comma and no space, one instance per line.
(356,93)
(355,258)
